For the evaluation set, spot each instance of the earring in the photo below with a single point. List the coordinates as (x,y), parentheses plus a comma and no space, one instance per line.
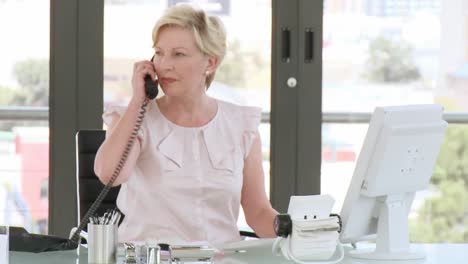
(207,73)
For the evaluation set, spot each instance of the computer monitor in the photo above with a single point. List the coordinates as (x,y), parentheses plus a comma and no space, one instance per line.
(397,158)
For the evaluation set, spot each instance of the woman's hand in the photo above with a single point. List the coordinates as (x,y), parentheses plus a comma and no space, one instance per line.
(140,70)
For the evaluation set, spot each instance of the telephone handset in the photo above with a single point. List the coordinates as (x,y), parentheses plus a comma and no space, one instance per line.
(151,87)
(151,90)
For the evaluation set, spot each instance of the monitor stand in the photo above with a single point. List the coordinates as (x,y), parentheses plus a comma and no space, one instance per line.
(392,232)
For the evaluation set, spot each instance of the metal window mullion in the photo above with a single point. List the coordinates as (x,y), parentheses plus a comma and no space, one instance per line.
(309,114)
(76,65)
(283,143)
(24,113)
(16,113)
(460,118)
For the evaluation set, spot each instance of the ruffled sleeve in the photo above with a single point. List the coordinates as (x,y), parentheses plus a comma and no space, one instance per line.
(114,112)
(251,120)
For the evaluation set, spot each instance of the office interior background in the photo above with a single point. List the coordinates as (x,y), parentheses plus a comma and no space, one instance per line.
(62,62)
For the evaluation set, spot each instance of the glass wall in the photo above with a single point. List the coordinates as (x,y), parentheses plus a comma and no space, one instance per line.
(243,77)
(24,91)
(395,52)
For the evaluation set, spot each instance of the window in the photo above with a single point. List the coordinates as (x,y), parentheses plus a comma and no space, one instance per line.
(24,90)
(391,53)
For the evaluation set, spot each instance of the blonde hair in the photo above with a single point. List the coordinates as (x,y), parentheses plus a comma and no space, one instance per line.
(209,32)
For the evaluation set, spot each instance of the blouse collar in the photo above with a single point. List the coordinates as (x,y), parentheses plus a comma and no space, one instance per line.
(217,135)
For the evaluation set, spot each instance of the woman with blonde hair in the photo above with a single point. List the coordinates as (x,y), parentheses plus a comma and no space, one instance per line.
(196,159)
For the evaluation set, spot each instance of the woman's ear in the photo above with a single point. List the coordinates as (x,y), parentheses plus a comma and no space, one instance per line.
(213,63)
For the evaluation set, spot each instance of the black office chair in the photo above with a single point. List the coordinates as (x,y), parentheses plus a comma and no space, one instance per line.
(88,185)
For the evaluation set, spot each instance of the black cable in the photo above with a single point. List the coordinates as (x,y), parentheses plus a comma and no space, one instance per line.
(92,210)
(339,221)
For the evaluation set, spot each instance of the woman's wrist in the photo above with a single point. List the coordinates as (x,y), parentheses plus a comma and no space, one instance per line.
(134,106)
(135,101)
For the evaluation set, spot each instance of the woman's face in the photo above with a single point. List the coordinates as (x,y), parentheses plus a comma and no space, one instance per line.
(179,63)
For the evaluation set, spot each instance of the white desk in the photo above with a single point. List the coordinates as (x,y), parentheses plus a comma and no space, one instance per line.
(436,253)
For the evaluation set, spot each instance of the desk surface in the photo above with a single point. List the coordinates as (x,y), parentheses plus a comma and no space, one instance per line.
(435,253)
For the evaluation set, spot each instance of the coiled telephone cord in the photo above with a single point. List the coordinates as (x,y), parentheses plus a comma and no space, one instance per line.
(92,210)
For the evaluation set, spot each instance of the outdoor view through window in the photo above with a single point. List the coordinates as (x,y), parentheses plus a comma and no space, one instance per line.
(24,145)
(393,52)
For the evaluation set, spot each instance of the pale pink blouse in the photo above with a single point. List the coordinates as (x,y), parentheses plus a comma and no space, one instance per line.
(186,185)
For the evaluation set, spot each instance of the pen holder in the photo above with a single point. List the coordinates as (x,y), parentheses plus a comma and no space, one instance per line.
(102,243)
